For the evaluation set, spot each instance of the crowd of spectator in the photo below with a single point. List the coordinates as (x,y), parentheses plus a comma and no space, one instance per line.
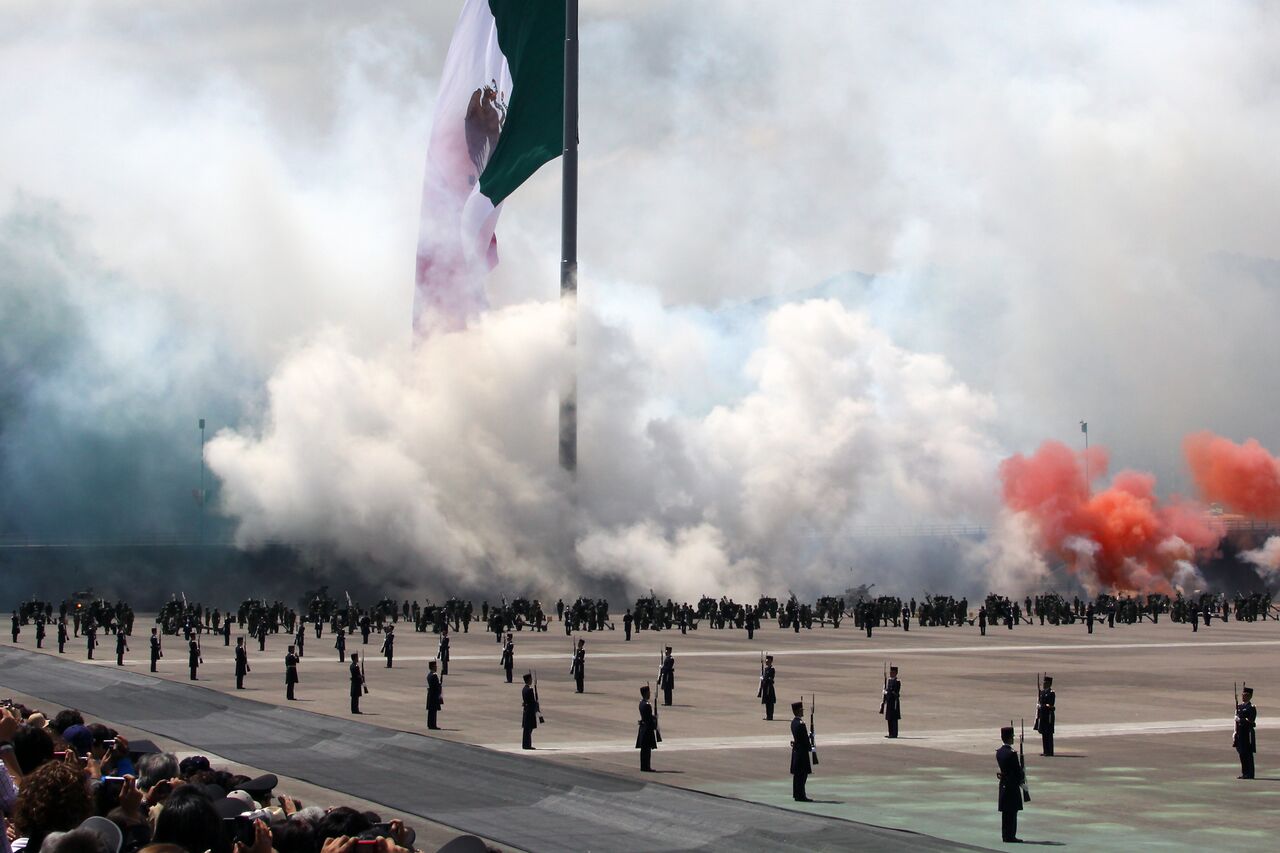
(67,786)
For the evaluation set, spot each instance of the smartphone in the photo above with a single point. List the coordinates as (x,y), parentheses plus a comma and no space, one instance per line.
(61,755)
(113,780)
(109,744)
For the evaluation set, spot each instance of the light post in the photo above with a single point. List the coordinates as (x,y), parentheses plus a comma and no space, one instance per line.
(1084,428)
(200,495)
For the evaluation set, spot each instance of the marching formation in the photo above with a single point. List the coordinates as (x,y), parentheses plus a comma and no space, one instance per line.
(260,620)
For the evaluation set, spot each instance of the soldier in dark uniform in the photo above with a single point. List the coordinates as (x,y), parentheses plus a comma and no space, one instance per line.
(528,712)
(40,633)
(667,677)
(647,736)
(340,643)
(193,658)
(1088,617)
(357,683)
(389,646)
(627,619)
(15,627)
(509,656)
(982,621)
(91,638)
(751,623)
(435,695)
(226,632)
(1245,740)
(156,651)
(578,669)
(442,653)
(299,640)
(1046,714)
(892,702)
(262,634)
(62,636)
(800,764)
(768,696)
(1195,620)
(242,663)
(365,627)
(122,646)
(290,673)
(320,627)
(1010,776)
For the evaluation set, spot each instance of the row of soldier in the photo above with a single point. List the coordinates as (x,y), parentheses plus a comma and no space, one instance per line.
(1012,777)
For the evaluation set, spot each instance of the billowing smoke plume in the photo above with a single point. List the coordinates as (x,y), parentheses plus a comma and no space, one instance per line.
(1244,478)
(1121,537)
(205,208)
(442,462)
(1265,560)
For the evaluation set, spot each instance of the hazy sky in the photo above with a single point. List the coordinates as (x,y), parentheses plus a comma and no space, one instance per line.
(1073,206)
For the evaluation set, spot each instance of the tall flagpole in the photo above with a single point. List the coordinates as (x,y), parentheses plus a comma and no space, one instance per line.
(569,235)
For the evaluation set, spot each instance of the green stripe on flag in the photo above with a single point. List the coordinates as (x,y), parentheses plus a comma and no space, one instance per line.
(531,37)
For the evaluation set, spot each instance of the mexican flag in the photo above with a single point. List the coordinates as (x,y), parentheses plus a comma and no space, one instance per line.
(499,116)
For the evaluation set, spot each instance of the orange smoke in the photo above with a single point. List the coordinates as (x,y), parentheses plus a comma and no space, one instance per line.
(1242,477)
(1119,538)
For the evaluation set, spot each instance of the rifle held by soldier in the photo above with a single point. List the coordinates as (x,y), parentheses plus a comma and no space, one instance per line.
(1022,762)
(537,703)
(813,734)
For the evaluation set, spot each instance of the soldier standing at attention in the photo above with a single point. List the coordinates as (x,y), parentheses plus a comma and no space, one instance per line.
(892,701)
(91,638)
(578,669)
(62,636)
(750,619)
(626,623)
(14,626)
(435,695)
(388,645)
(800,765)
(242,663)
(40,633)
(647,737)
(1046,714)
(509,656)
(1010,776)
(667,677)
(357,683)
(122,646)
(1245,740)
(442,654)
(528,712)
(193,658)
(156,651)
(226,630)
(982,620)
(290,673)
(340,643)
(300,638)
(768,697)
(365,627)
(262,634)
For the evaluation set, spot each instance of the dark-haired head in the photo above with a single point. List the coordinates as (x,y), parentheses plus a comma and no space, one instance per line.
(189,820)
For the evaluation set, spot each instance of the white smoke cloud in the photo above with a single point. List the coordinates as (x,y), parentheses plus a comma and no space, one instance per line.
(443,461)
(1265,560)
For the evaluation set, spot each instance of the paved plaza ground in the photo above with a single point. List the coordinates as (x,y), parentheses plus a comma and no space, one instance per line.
(1144,718)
